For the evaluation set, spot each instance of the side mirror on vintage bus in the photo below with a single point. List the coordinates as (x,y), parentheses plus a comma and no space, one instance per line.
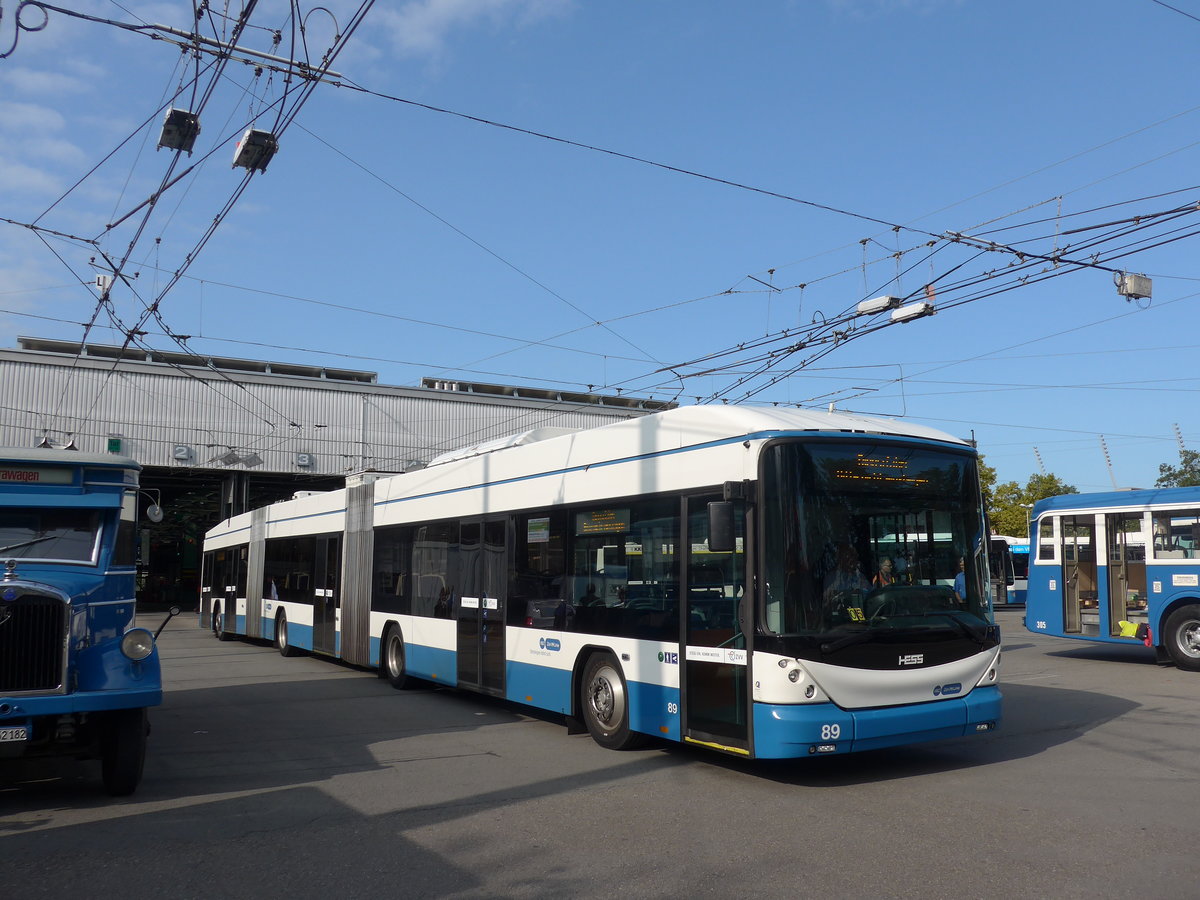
(721,537)
(171,613)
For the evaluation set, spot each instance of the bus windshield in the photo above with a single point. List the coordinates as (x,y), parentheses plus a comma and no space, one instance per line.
(862,538)
(61,535)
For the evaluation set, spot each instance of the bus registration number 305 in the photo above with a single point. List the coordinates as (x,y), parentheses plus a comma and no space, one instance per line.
(12,734)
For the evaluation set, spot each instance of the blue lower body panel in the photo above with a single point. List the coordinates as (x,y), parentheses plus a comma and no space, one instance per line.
(785,732)
(431,663)
(539,686)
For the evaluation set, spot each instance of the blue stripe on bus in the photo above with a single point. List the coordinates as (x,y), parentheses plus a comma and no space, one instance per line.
(783,732)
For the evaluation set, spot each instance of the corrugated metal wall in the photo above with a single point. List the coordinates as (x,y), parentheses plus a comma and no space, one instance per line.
(263,423)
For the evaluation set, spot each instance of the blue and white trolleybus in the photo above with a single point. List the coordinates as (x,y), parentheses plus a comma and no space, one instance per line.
(765,583)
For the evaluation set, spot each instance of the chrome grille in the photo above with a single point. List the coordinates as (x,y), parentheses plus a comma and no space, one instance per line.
(33,640)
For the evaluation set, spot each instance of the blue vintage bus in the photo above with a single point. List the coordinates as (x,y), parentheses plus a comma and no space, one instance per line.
(76,673)
(1119,567)
(764,583)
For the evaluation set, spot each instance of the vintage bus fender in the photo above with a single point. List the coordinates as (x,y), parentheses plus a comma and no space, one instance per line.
(104,667)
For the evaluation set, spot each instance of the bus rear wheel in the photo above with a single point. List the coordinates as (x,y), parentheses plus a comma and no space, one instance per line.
(604,700)
(391,659)
(123,750)
(281,637)
(218,625)
(1182,636)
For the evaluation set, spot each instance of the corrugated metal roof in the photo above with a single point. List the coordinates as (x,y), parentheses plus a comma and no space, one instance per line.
(189,412)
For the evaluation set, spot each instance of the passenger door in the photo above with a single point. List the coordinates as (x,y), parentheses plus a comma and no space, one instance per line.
(1126,568)
(716,664)
(326,588)
(483,557)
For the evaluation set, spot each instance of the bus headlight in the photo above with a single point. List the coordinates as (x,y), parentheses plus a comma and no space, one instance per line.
(137,644)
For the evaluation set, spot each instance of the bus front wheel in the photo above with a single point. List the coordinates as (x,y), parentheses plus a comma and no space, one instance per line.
(123,750)
(1182,636)
(604,700)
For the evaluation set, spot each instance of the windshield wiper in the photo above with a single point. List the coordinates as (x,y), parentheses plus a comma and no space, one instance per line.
(30,542)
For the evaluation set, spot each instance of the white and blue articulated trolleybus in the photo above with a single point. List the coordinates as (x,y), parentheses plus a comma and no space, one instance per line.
(76,673)
(766,583)
(1119,567)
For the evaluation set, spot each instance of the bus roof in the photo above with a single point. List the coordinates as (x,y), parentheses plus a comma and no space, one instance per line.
(1105,499)
(687,425)
(33,456)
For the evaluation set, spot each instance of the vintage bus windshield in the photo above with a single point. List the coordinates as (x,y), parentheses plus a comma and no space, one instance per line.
(62,535)
(864,537)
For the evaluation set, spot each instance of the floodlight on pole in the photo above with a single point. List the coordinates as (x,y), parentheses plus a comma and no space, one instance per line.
(255,150)
(912,311)
(877,305)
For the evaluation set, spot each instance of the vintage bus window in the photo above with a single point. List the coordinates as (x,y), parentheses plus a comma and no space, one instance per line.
(1177,534)
(59,535)
(125,546)
(1046,538)
(863,536)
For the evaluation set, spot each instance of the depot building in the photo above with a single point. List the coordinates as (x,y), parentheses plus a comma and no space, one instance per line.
(218,436)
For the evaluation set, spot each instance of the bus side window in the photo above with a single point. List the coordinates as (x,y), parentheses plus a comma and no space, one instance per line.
(1046,538)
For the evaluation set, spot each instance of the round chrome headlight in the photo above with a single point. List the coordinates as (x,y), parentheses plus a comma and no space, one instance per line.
(137,644)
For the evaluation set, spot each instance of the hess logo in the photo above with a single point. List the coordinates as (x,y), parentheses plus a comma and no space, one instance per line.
(912,659)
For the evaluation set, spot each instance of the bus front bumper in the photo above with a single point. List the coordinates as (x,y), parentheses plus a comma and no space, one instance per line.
(822,729)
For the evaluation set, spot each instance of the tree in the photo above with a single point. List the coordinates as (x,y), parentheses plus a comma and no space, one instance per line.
(987,481)
(1011,503)
(1186,474)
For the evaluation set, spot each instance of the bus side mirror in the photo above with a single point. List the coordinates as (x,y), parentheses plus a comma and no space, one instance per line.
(720,527)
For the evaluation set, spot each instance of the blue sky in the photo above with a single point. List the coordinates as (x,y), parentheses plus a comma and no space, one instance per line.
(730,179)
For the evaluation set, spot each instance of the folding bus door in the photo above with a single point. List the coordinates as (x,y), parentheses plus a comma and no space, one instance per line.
(1081,597)
(483,560)
(1126,570)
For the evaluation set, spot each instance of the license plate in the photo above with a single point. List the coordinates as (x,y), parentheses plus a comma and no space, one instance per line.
(19,733)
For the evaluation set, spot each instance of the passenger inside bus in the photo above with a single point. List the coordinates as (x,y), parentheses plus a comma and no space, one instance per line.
(884,576)
(847,576)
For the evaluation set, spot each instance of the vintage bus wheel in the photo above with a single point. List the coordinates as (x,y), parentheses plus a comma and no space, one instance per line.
(604,701)
(1182,636)
(391,659)
(281,637)
(123,751)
